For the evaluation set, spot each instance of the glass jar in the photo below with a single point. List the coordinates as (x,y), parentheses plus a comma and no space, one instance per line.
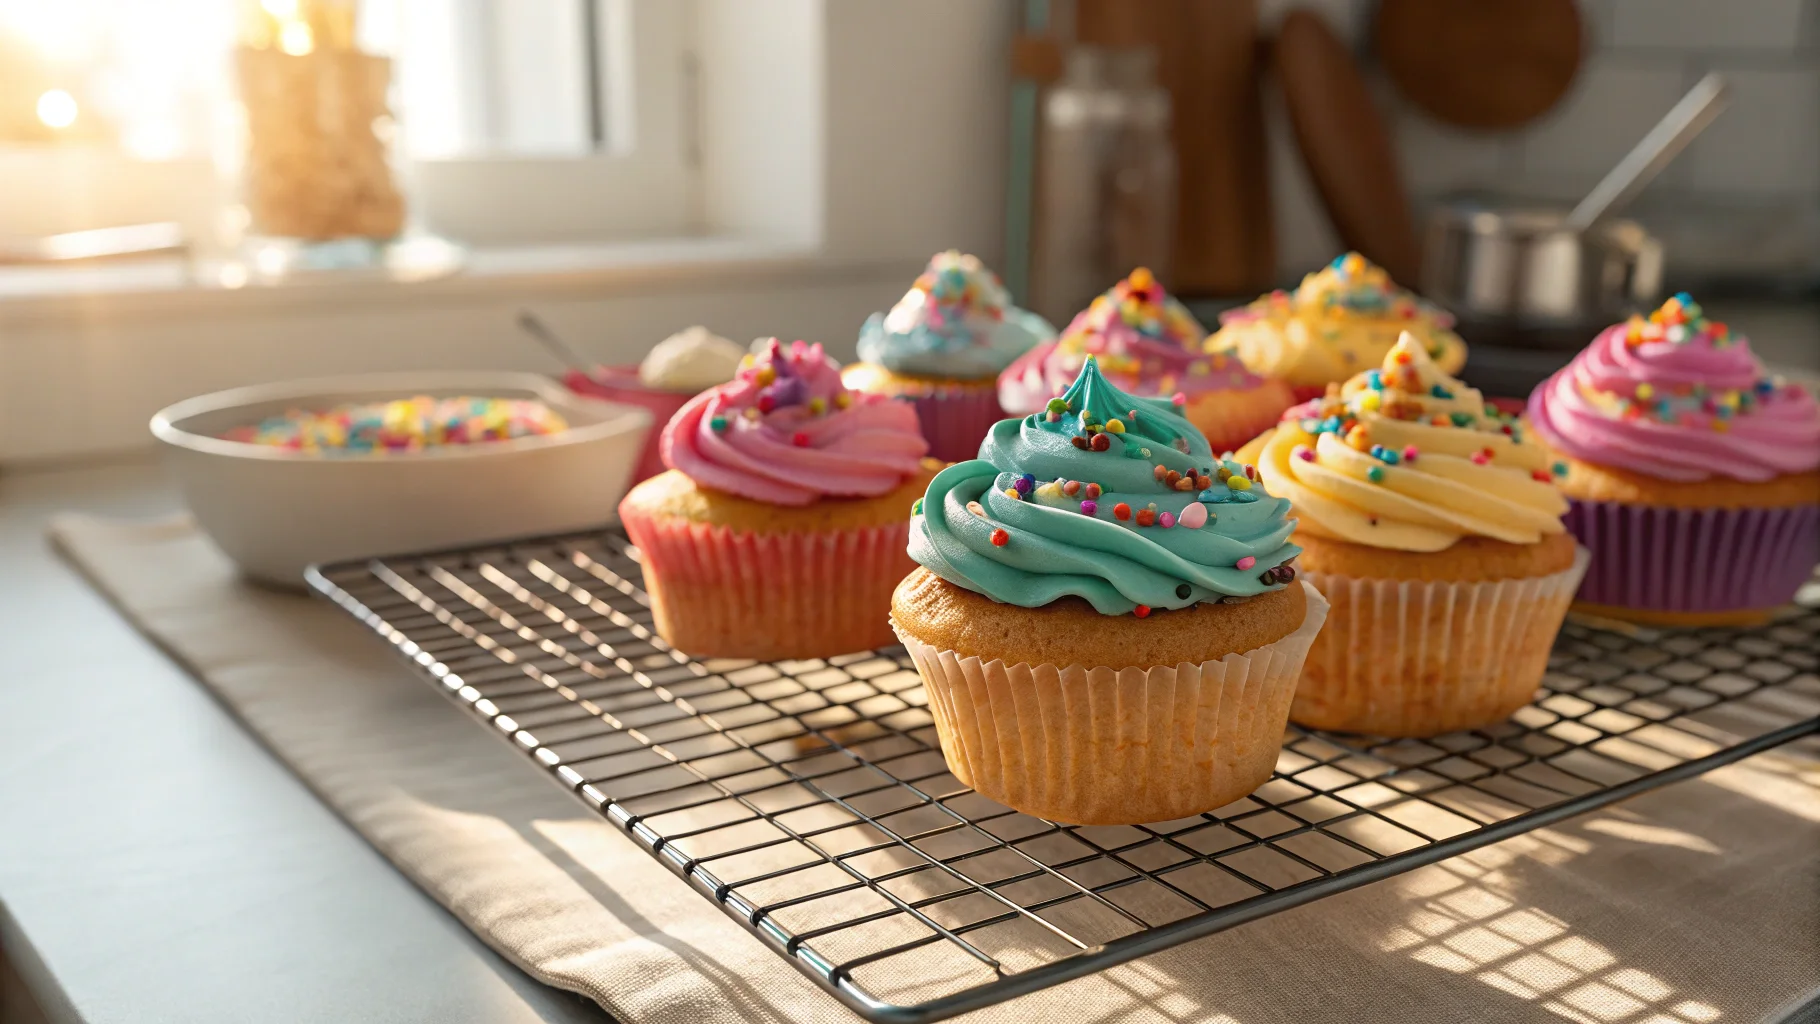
(1106,179)
(317,163)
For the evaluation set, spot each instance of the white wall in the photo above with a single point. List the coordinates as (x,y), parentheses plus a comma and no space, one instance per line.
(761,74)
(918,127)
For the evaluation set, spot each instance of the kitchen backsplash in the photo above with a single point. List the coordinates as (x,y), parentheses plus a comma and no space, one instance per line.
(1740,206)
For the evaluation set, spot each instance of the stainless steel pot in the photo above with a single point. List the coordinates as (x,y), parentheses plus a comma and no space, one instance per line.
(1540,276)
(1525,268)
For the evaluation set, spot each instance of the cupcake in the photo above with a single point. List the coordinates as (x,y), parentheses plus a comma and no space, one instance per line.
(779,530)
(1433,525)
(942,347)
(677,369)
(1694,476)
(1341,321)
(1148,344)
(1105,616)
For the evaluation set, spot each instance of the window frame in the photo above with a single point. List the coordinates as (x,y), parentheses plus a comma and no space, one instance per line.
(645,181)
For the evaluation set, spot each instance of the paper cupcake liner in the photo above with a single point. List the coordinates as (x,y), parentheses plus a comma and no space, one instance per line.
(1413,658)
(663,405)
(720,592)
(1226,430)
(956,419)
(1307,392)
(1656,558)
(1104,746)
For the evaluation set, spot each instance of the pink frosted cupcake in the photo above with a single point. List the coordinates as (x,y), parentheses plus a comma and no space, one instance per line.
(781,527)
(1694,477)
(1148,344)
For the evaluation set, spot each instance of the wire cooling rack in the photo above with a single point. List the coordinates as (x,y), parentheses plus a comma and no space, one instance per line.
(810,802)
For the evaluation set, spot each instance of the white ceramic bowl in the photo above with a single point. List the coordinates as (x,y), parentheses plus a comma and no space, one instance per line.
(275,512)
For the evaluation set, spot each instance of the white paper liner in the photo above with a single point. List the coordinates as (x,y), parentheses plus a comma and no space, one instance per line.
(1104,746)
(1412,658)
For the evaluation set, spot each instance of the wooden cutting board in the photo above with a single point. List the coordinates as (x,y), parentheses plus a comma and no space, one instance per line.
(1483,64)
(1210,61)
(1343,140)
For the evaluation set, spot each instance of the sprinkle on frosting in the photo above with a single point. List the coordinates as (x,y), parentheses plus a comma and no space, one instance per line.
(1408,458)
(402,425)
(1142,338)
(956,321)
(1059,504)
(1678,397)
(1134,316)
(785,431)
(1342,319)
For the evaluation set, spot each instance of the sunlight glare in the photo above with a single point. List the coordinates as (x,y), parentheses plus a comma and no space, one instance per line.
(63,31)
(1641,984)
(1580,953)
(1602,1001)
(296,38)
(57,109)
(1657,834)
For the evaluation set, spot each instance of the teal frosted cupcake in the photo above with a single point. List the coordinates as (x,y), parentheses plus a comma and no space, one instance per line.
(942,347)
(1106,615)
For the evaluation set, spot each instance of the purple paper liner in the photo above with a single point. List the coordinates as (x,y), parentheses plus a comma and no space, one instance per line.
(956,420)
(1694,560)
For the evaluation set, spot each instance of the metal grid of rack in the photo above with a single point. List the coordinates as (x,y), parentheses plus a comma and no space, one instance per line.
(809,800)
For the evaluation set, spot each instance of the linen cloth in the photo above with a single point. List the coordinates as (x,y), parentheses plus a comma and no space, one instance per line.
(1695,903)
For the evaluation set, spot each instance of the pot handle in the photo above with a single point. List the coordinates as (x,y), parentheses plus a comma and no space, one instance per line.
(1688,118)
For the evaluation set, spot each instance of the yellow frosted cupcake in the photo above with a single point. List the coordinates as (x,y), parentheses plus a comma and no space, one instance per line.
(1342,319)
(1433,525)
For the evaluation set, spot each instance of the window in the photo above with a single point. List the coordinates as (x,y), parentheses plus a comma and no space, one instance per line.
(545,120)
(519,121)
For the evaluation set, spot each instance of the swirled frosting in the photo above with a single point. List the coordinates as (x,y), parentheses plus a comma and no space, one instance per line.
(1106,497)
(956,321)
(1341,320)
(1408,458)
(1677,397)
(785,431)
(1143,339)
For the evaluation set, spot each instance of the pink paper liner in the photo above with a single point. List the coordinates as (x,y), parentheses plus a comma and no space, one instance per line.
(1096,745)
(720,592)
(620,384)
(1657,558)
(1421,658)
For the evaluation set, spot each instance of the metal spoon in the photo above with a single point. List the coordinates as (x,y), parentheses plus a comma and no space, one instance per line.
(1705,101)
(564,352)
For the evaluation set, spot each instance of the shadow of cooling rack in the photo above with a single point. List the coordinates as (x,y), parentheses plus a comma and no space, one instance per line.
(810,802)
